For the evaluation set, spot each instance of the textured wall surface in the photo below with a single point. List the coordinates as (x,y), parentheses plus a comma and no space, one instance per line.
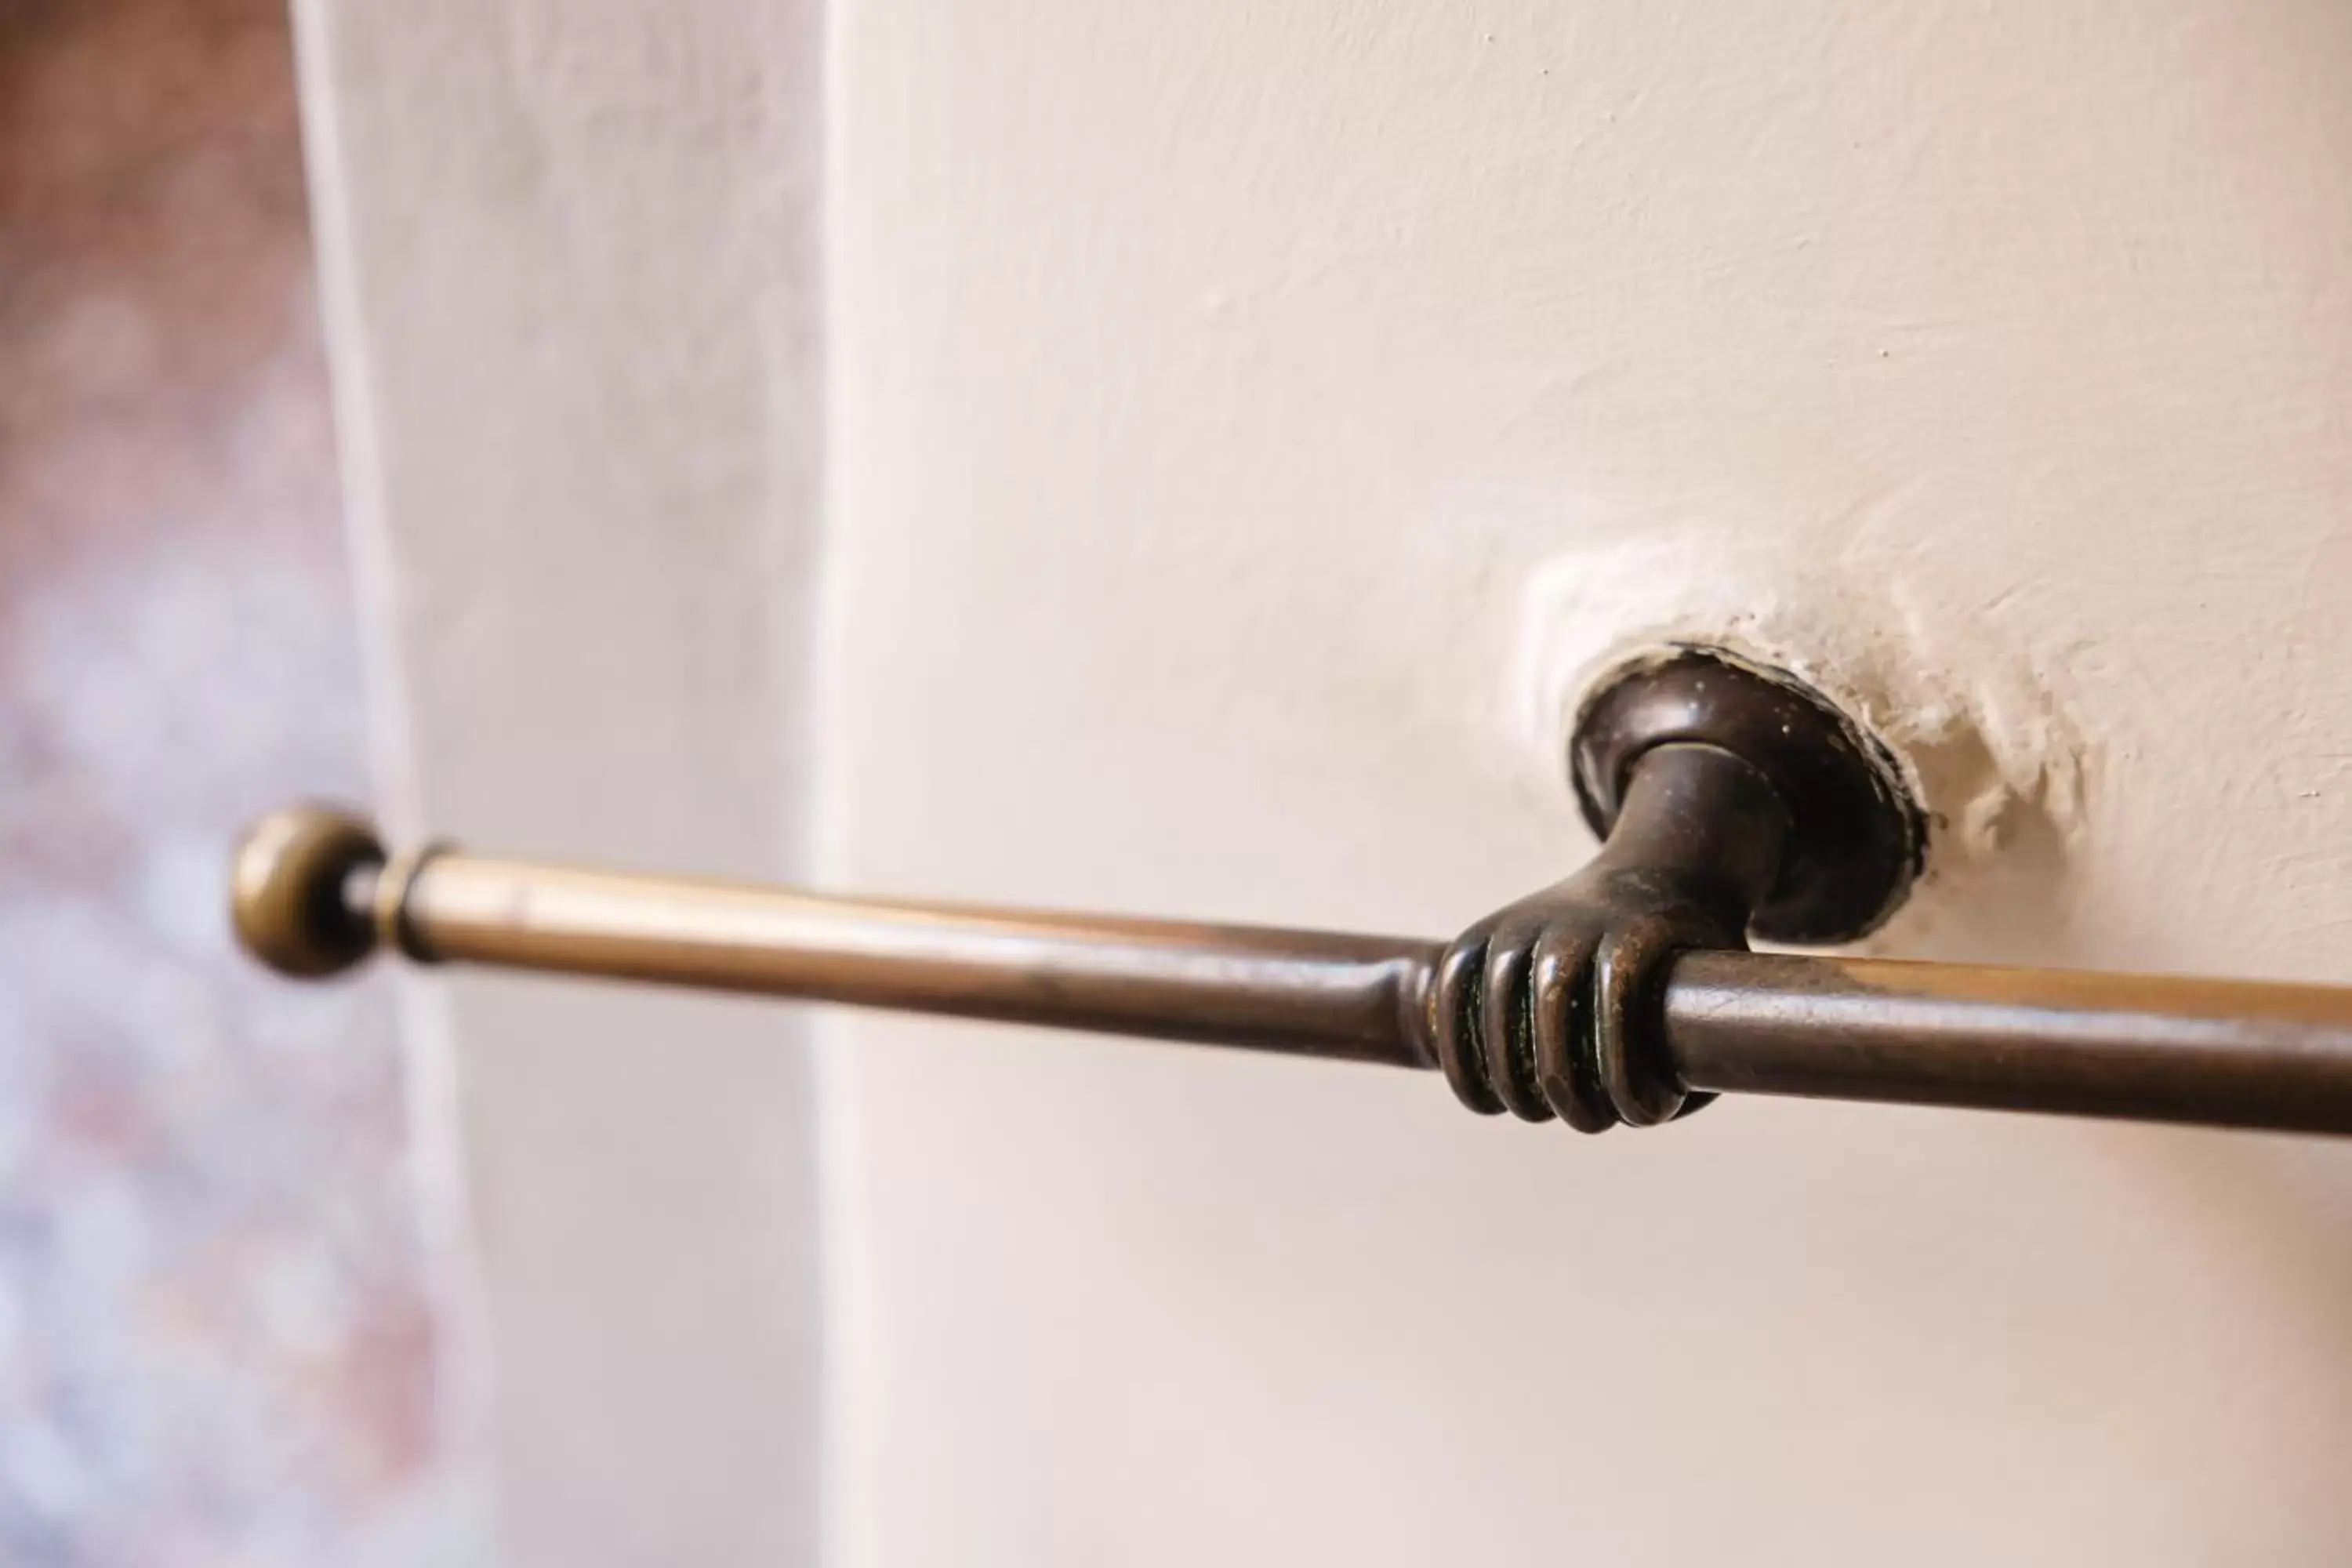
(219,1327)
(1246,421)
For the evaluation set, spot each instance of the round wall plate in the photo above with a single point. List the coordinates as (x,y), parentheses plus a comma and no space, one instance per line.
(1859,840)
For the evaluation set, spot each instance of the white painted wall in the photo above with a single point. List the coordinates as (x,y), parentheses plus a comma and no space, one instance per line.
(1241,415)
(1244,424)
(568,266)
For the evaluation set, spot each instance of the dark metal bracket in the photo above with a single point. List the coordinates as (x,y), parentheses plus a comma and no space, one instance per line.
(1729,799)
(1856,837)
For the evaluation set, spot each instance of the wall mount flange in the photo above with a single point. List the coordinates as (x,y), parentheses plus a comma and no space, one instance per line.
(1859,839)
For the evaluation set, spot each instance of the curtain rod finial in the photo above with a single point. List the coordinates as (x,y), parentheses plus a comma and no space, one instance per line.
(289,900)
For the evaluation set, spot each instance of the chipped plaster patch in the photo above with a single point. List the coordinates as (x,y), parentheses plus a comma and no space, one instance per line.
(1984,738)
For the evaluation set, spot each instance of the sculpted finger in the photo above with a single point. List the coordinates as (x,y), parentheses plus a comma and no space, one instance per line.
(1629,1021)
(1560,988)
(1454,1022)
(1504,1018)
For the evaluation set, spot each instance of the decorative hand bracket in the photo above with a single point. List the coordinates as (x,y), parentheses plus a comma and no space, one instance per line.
(1727,798)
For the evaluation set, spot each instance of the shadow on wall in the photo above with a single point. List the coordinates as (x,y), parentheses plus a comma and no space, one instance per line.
(217,1336)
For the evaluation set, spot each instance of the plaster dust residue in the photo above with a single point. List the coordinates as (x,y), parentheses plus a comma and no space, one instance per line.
(1984,736)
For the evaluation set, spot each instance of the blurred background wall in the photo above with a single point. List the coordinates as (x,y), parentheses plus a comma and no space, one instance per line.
(219,1325)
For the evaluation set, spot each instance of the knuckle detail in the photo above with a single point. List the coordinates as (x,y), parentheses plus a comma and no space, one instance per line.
(1506,1017)
(1640,1083)
(1455,1025)
(1562,1017)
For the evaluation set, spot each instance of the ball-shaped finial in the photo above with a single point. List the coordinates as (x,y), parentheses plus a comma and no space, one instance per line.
(287,901)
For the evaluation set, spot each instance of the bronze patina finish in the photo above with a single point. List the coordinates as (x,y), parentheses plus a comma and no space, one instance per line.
(1621,995)
(1857,839)
(2138,1047)
(1729,798)
(1550,1007)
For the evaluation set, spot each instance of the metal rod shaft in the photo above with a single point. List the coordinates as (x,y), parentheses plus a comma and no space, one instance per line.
(1303,993)
(2146,1047)
(313,895)
(2143,1047)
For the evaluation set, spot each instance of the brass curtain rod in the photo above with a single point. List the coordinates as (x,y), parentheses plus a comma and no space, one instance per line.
(1731,801)
(2228,1054)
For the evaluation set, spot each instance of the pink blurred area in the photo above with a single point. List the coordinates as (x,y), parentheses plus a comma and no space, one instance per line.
(217,1333)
